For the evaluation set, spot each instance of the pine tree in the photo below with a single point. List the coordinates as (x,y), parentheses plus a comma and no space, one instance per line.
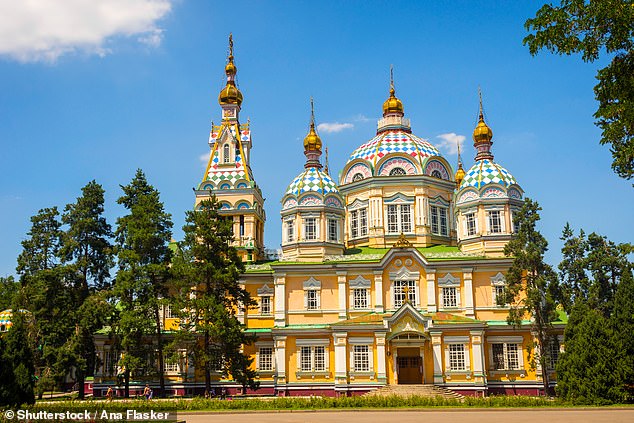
(597,365)
(142,237)
(209,268)
(17,371)
(8,292)
(531,283)
(46,292)
(88,254)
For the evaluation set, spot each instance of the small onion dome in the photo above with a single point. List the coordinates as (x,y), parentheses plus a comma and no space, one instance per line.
(312,141)
(230,94)
(460,173)
(231,69)
(392,104)
(482,132)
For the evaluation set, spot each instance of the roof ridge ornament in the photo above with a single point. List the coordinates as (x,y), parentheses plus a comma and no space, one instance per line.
(482,135)
(402,242)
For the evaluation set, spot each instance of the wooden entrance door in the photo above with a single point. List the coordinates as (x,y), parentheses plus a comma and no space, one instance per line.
(410,366)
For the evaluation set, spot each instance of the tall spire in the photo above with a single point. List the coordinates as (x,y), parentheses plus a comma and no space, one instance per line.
(230,95)
(392,105)
(312,142)
(460,173)
(482,135)
(326,169)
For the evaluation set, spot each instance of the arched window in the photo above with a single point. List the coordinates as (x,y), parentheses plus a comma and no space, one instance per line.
(397,171)
(436,174)
(226,158)
(357,177)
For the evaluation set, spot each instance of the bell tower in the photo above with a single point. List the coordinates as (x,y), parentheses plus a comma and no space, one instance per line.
(229,176)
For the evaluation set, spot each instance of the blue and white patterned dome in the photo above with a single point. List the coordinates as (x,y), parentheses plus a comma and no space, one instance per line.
(485,172)
(312,187)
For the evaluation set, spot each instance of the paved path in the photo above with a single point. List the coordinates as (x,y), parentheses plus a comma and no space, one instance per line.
(602,415)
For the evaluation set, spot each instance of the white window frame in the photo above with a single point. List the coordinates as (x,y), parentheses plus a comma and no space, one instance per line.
(357,286)
(266,364)
(226,153)
(333,230)
(361,353)
(170,368)
(308,229)
(290,230)
(359,223)
(266,308)
(512,353)
(457,358)
(497,282)
(399,294)
(500,213)
(438,214)
(312,294)
(448,284)
(399,218)
(495,221)
(313,349)
(470,230)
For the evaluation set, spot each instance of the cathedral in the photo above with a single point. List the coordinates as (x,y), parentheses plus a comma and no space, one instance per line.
(388,273)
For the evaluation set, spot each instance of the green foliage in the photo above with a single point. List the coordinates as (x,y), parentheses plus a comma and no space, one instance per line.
(593,28)
(9,289)
(531,283)
(597,290)
(17,370)
(143,237)
(208,268)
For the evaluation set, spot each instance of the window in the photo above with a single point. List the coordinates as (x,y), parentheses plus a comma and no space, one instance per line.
(241,225)
(438,220)
(226,157)
(167,313)
(333,230)
(399,218)
(553,353)
(470,220)
(457,357)
(312,358)
(398,171)
(402,287)
(436,174)
(265,359)
(170,366)
(312,299)
(498,292)
(110,359)
(449,297)
(290,231)
(361,358)
(498,289)
(357,177)
(495,222)
(360,298)
(359,223)
(265,305)
(310,228)
(505,356)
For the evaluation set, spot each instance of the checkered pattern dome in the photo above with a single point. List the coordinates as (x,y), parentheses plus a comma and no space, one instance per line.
(312,180)
(394,141)
(5,318)
(485,172)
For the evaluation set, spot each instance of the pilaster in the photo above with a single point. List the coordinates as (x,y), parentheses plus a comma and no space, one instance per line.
(380,357)
(431,291)
(436,342)
(343,294)
(467,277)
(280,300)
(378,292)
(280,360)
(477,350)
(340,340)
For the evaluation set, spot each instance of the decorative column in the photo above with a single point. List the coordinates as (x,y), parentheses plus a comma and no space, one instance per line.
(467,277)
(341,362)
(343,293)
(240,313)
(436,342)
(477,340)
(380,356)
(378,291)
(431,291)
(280,300)
(280,362)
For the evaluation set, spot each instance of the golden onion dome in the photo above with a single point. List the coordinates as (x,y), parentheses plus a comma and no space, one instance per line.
(392,104)
(230,94)
(460,174)
(231,68)
(312,141)
(482,132)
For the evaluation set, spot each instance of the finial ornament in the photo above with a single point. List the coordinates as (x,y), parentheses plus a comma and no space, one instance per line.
(482,135)
(230,46)
(392,105)
(230,94)
(391,77)
(481,113)
(326,166)
(312,142)
(402,242)
(312,113)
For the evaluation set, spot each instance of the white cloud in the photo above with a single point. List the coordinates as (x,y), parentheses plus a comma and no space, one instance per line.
(449,142)
(361,118)
(334,127)
(44,30)
(204,158)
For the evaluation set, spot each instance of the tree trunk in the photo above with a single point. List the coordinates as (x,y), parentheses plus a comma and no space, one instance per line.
(126,381)
(207,364)
(80,383)
(159,345)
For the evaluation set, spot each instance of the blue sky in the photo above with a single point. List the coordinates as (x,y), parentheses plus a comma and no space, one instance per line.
(95,93)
